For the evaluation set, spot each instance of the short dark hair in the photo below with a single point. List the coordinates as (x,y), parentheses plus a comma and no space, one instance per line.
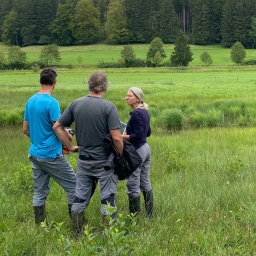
(48,76)
(98,82)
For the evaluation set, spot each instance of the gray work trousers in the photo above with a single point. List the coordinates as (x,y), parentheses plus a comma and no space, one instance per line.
(87,171)
(57,168)
(139,179)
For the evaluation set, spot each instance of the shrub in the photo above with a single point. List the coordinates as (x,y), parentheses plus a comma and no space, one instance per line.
(21,180)
(139,63)
(13,118)
(214,117)
(175,160)
(206,58)
(117,238)
(109,65)
(198,119)
(171,119)
(153,110)
(236,168)
(248,62)
(211,118)
(3,118)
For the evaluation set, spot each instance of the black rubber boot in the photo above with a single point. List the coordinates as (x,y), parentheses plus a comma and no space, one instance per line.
(149,202)
(78,222)
(40,215)
(69,210)
(134,205)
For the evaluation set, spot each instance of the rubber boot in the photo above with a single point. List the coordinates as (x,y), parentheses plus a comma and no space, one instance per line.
(134,205)
(69,210)
(149,202)
(78,222)
(40,215)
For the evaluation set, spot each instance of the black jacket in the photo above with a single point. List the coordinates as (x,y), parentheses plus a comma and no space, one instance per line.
(123,166)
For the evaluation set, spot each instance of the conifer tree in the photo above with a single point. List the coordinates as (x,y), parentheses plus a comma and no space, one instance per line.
(200,22)
(60,28)
(182,55)
(168,22)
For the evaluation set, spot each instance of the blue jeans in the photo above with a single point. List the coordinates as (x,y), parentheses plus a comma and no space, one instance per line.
(60,170)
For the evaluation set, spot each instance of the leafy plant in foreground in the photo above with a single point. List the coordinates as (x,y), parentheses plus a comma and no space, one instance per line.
(21,181)
(116,238)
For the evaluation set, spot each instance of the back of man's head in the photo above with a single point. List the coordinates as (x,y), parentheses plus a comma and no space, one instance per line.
(98,82)
(48,76)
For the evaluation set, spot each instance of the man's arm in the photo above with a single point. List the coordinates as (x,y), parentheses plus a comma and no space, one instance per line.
(63,137)
(117,140)
(25,128)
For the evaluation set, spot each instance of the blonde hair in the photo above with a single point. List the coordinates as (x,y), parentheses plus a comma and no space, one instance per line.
(139,95)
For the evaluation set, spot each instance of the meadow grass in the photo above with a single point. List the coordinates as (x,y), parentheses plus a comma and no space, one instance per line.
(204,186)
(203,179)
(92,55)
(205,97)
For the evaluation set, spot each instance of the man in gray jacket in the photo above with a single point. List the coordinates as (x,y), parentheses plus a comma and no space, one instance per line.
(94,118)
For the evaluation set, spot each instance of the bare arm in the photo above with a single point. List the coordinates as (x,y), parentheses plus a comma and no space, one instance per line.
(117,140)
(126,137)
(63,137)
(25,128)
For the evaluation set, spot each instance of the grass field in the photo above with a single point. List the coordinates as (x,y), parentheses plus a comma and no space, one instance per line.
(92,55)
(204,184)
(195,92)
(203,179)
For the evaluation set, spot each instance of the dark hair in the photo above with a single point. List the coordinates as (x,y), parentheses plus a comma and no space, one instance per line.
(48,76)
(98,82)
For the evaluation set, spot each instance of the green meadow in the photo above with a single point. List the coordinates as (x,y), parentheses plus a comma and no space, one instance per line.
(92,55)
(202,169)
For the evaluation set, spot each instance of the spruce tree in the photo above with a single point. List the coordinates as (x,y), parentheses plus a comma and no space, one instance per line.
(168,22)
(60,28)
(200,23)
(182,55)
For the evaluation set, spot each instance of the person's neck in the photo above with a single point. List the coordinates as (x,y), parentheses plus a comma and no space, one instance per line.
(46,89)
(94,94)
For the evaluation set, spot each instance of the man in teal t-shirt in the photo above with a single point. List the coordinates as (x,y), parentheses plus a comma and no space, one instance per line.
(45,152)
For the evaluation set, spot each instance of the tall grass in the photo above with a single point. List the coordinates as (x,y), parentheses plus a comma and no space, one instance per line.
(204,186)
(203,98)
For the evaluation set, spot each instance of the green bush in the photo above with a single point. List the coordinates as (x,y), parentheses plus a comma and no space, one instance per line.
(214,117)
(13,118)
(176,160)
(21,180)
(117,238)
(248,62)
(109,65)
(203,119)
(153,110)
(3,118)
(171,119)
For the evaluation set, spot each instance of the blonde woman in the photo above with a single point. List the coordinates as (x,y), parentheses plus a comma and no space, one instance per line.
(137,131)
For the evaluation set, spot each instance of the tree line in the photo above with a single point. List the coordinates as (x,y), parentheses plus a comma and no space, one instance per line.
(79,22)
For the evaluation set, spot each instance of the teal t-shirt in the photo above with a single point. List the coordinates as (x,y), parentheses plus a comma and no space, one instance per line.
(40,111)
